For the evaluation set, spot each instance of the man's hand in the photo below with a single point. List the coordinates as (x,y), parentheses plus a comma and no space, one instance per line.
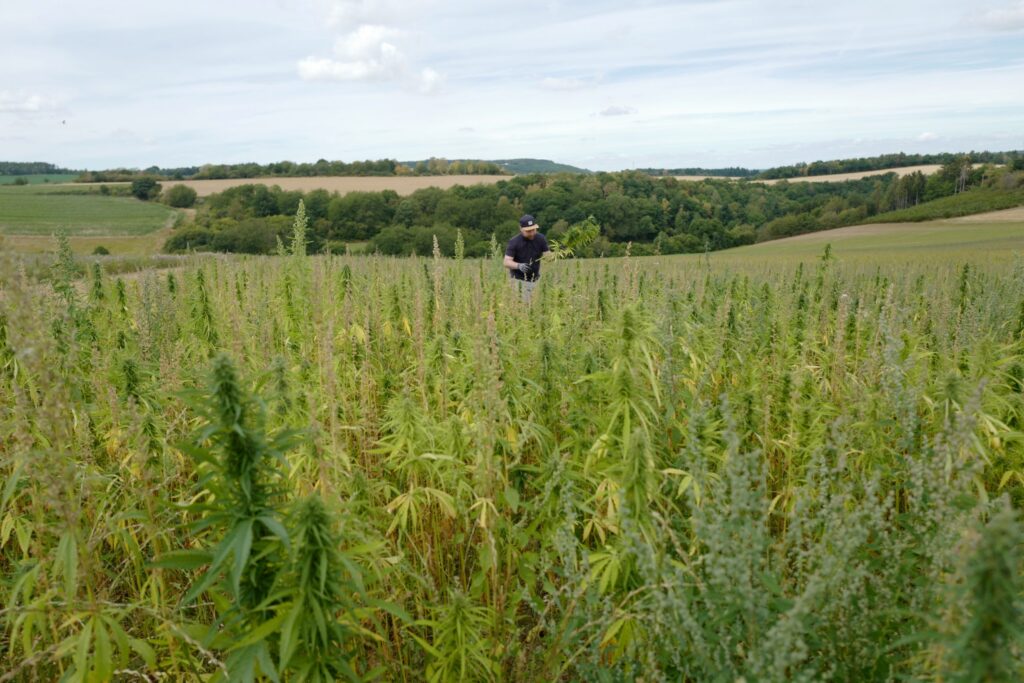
(524,268)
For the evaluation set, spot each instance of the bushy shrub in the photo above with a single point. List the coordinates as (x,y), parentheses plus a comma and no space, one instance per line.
(180,197)
(145,188)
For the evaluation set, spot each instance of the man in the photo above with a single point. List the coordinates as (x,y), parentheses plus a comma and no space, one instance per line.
(523,255)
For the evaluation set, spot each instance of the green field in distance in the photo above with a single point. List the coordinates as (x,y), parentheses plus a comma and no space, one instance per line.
(41,210)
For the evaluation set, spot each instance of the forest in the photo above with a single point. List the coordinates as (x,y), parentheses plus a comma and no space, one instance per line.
(653,215)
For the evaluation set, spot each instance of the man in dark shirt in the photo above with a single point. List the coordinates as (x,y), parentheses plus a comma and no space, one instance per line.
(523,255)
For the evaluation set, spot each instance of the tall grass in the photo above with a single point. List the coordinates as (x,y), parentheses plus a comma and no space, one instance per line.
(321,468)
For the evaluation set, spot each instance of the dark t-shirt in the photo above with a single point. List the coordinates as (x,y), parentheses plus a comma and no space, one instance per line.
(523,250)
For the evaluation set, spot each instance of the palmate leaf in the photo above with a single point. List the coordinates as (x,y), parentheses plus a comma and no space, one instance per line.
(262,631)
(66,563)
(275,527)
(233,542)
(182,559)
(13,477)
(242,548)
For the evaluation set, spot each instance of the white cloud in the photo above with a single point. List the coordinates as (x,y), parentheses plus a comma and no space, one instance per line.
(23,103)
(1006,18)
(368,41)
(367,53)
(344,14)
(927,136)
(324,69)
(617,110)
(430,81)
(370,53)
(564,83)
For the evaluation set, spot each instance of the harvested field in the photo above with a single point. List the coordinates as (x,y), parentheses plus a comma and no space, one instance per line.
(834,178)
(927,169)
(403,185)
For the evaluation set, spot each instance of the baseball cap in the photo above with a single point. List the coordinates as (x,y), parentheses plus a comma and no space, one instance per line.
(527,221)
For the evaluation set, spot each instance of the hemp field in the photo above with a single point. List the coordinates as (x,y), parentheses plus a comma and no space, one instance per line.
(759,465)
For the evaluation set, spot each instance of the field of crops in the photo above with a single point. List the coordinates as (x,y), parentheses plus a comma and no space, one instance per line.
(706,468)
(901,171)
(403,185)
(45,210)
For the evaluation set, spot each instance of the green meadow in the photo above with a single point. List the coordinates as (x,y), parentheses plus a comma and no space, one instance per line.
(44,210)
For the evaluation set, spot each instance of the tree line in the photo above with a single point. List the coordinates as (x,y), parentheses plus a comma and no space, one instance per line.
(656,215)
(730,172)
(291,169)
(31,168)
(886,161)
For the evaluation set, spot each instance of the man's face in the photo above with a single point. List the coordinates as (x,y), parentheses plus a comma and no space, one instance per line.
(528,233)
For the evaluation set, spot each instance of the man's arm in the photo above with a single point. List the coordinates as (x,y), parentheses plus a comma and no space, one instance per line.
(524,268)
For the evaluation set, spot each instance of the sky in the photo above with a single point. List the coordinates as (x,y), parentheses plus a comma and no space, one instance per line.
(598,84)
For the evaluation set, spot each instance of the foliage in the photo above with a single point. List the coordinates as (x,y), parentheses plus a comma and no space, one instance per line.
(145,188)
(180,197)
(992,626)
(320,467)
(656,215)
(25,168)
(964,204)
(729,172)
(883,162)
(580,235)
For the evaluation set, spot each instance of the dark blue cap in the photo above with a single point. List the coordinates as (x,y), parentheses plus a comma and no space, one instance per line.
(527,221)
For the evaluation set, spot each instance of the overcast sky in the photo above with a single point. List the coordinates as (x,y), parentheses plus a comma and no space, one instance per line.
(605,85)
